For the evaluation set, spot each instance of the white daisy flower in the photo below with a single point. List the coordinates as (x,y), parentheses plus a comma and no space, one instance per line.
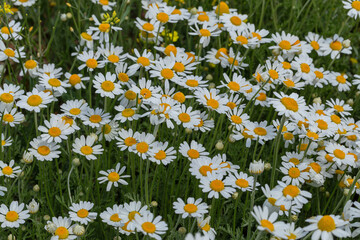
(14,216)
(85,147)
(192,207)
(80,212)
(113,177)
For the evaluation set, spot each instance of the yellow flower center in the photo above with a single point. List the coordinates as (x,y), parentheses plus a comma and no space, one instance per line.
(236,119)
(234,86)
(203,18)
(289,83)
(143,61)
(11,216)
(294,172)
(235,20)
(212,103)
(288,136)
(284,44)
(162,17)
(273,74)
(106,129)
(75,111)
(74,79)
(220,53)
(54,82)
(86,150)
(217,185)
(107,86)
(262,97)
(128,112)
(336,45)
(341,79)
(7,170)
(104,2)
(123,77)
(129,141)
(113,58)
(8,118)
(315,45)
(205,33)
(256,35)
(86,36)
(160,155)
(290,104)
(339,108)
(95,118)
(6,30)
(260,131)
(115,218)
(148,27)
(179,67)
(305,67)
(104,27)
(204,169)
(192,83)
(113,177)
(180,97)
(132,214)
(242,40)
(286,65)
(339,154)
(7,98)
(190,208)
(30,64)
(233,62)
(193,153)
(319,74)
(9,52)
(267,224)
(170,49)
(146,93)
(54,131)
(131,95)
(43,150)
(142,147)
(184,117)
(91,63)
(82,213)
(62,232)
(295,161)
(356,5)
(148,227)
(291,191)
(34,100)
(326,223)
(243,183)
(312,135)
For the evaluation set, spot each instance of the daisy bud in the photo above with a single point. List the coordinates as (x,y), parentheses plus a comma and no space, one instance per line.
(91,19)
(327,194)
(350,101)
(117,238)
(46,217)
(69,15)
(294,218)
(11,237)
(93,135)
(63,17)
(50,227)
(27,157)
(193,11)
(230,127)
(209,77)
(219,145)
(128,1)
(314,95)
(357,93)
(235,195)
(346,191)
(274,238)
(126,17)
(33,207)
(21,174)
(36,188)
(79,230)
(275,52)
(154,204)
(267,166)
(71,29)
(81,194)
(231,138)
(60,172)
(23,228)
(256,167)
(68,4)
(322,189)
(188,130)
(346,43)
(182,230)
(212,85)
(317,100)
(321,143)
(76,162)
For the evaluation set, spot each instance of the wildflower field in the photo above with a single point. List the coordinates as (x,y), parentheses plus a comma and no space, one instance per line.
(179,119)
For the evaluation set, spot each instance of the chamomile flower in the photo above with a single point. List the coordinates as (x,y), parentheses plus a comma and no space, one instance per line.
(62,228)
(111,216)
(80,212)
(286,43)
(267,221)
(11,31)
(43,150)
(212,99)
(146,91)
(234,21)
(294,174)
(76,80)
(205,33)
(141,60)
(316,41)
(30,66)
(150,226)
(88,39)
(261,131)
(126,139)
(326,226)
(124,73)
(244,38)
(95,118)
(113,177)
(241,181)
(192,207)
(238,118)
(291,105)
(232,60)
(340,154)
(204,224)
(106,86)
(14,215)
(34,100)
(74,108)
(10,53)
(145,142)
(55,130)
(340,81)
(202,166)
(85,147)
(105,4)
(187,117)
(112,54)
(109,131)
(13,117)
(339,106)
(333,46)
(237,84)
(8,170)
(128,213)
(90,60)
(353,6)
(214,185)
(193,151)
(103,29)
(160,153)
(205,123)
(287,194)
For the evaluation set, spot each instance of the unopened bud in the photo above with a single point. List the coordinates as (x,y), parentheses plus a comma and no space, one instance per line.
(36,188)
(275,52)
(346,191)
(188,130)
(76,162)
(193,11)
(154,204)
(69,15)
(294,218)
(71,29)
(182,230)
(235,195)
(267,166)
(357,93)
(350,101)
(209,77)
(327,194)
(231,138)
(212,85)
(346,43)
(93,135)
(63,17)
(219,145)
(79,230)
(322,189)
(317,100)
(46,217)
